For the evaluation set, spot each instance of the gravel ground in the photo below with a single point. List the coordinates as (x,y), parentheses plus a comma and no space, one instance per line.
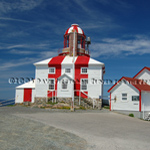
(62,129)
(18,133)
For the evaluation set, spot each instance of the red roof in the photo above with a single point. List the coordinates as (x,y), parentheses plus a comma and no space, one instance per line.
(141,71)
(137,83)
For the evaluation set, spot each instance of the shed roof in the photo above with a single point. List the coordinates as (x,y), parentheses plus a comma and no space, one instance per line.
(30,84)
(137,83)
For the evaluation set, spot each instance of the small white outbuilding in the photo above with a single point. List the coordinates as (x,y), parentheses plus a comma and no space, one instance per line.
(25,92)
(131,94)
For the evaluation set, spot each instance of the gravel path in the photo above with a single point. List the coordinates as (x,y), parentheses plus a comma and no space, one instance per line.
(23,134)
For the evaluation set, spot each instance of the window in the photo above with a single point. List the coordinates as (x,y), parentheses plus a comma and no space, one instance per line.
(135,98)
(124,96)
(64,84)
(51,84)
(84,70)
(52,70)
(67,70)
(84,83)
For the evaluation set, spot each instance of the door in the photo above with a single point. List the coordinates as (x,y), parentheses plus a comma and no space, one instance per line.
(27,95)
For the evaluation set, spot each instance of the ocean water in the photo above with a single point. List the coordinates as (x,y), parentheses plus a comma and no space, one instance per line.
(4,102)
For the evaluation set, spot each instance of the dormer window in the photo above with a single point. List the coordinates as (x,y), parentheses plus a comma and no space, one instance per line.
(52,70)
(84,70)
(67,70)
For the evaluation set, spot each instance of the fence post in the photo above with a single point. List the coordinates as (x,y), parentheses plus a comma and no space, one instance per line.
(55,96)
(93,103)
(79,98)
(52,97)
(143,110)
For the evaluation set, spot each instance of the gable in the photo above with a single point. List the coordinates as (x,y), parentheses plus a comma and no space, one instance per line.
(65,76)
(124,87)
(143,74)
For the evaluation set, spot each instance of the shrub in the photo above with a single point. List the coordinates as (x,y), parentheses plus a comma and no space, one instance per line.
(82,107)
(66,107)
(51,103)
(131,115)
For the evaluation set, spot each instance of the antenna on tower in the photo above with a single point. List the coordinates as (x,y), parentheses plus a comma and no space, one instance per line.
(88,42)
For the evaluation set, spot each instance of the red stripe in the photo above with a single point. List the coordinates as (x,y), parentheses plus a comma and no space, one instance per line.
(75,28)
(82,61)
(56,62)
(140,102)
(83,95)
(110,102)
(67,31)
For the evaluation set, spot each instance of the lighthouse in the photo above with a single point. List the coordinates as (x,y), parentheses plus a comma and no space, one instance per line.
(71,72)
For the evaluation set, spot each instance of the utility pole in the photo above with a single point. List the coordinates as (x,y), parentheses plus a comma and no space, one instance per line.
(73,61)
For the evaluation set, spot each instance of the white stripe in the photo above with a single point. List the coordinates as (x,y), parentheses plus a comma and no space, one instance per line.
(80,30)
(70,29)
(95,62)
(68,60)
(43,62)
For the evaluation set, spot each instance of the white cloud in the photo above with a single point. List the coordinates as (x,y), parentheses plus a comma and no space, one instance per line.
(43,54)
(27,60)
(14,19)
(112,46)
(18,5)
(35,46)
(16,63)
(21,52)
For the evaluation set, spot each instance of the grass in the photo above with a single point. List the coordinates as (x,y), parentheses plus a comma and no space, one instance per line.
(65,107)
(82,107)
(51,103)
(106,107)
(10,105)
(131,115)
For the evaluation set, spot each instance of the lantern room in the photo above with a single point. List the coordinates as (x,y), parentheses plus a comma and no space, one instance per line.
(74,34)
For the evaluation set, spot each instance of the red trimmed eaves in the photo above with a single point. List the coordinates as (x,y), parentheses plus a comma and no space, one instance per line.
(141,71)
(115,84)
(134,82)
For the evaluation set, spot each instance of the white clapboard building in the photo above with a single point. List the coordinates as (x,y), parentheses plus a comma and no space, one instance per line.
(132,94)
(71,71)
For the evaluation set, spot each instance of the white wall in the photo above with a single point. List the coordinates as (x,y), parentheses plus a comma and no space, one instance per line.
(64,92)
(146,101)
(19,95)
(145,75)
(128,104)
(33,95)
(94,89)
(41,85)
(63,67)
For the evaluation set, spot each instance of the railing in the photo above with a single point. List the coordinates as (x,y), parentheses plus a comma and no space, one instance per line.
(54,94)
(7,102)
(90,98)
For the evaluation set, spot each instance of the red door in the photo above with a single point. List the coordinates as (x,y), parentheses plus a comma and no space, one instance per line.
(27,95)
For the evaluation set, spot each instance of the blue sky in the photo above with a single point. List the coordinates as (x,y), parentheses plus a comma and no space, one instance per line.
(32,30)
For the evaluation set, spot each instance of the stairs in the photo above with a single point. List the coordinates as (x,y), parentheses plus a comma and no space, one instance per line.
(80,101)
(87,103)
